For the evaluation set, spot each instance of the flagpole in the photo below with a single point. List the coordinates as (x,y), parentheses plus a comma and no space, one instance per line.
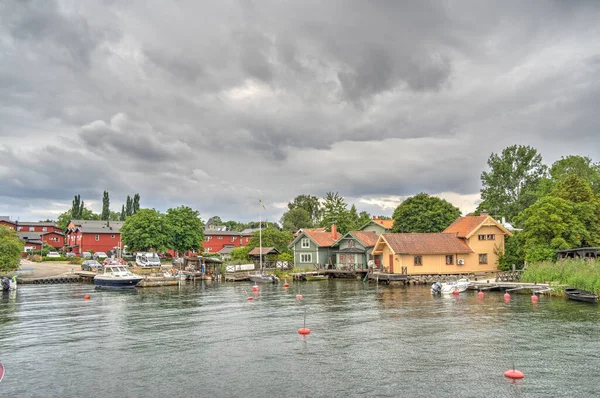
(260,238)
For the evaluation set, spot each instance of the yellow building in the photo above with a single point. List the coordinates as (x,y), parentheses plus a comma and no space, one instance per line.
(470,244)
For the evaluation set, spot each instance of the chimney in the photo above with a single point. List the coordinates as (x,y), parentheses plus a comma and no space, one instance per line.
(334,232)
(503,220)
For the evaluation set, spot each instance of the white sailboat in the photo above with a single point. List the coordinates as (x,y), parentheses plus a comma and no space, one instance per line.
(262,276)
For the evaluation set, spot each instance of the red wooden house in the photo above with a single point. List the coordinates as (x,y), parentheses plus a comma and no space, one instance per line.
(36,233)
(97,236)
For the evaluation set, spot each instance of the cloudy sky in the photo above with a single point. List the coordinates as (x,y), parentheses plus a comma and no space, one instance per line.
(217,104)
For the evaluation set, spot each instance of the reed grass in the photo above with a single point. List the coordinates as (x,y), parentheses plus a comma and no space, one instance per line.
(578,274)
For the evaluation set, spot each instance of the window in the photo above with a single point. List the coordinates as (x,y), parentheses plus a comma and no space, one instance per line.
(481,237)
(305,243)
(31,229)
(306,257)
(491,237)
(44,229)
(351,243)
(233,238)
(112,236)
(449,260)
(208,249)
(219,237)
(97,238)
(483,258)
(208,238)
(19,228)
(418,260)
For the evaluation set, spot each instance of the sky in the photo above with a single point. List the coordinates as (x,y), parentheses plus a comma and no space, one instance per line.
(217,104)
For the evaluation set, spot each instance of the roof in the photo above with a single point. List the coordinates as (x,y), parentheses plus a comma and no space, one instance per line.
(249,231)
(30,235)
(322,238)
(464,227)
(367,238)
(226,249)
(212,232)
(426,243)
(98,226)
(265,250)
(387,224)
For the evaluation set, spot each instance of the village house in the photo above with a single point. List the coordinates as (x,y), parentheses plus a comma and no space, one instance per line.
(93,235)
(36,233)
(471,244)
(378,225)
(353,250)
(313,247)
(219,240)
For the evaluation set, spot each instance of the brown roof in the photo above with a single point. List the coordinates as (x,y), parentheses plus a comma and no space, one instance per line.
(463,226)
(322,238)
(429,243)
(265,251)
(367,238)
(387,224)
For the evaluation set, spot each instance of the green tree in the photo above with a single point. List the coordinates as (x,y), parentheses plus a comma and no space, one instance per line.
(309,203)
(216,220)
(128,207)
(272,237)
(335,211)
(122,215)
(364,218)
(136,203)
(294,219)
(105,207)
(146,229)
(580,166)
(86,214)
(75,208)
(512,182)
(573,188)
(186,229)
(511,255)
(424,213)
(240,253)
(11,247)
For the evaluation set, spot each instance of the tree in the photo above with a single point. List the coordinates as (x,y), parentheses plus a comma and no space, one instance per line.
(146,229)
(580,166)
(86,214)
(309,203)
(122,215)
(364,218)
(272,237)
(75,208)
(335,212)
(136,203)
(511,184)
(11,247)
(424,213)
(574,189)
(216,220)
(105,206)
(186,229)
(294,219)
(128,207)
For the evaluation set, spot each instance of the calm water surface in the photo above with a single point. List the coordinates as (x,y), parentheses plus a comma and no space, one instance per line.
(207,340)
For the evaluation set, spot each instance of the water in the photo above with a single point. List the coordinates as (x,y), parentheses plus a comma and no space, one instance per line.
(207,340)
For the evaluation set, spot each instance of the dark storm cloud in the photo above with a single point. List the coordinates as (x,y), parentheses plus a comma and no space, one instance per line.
(220,103)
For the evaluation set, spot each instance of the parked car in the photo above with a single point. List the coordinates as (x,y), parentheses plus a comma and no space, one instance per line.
(86,255)
(90,265)
(70,254)
(53,254)
(99,256)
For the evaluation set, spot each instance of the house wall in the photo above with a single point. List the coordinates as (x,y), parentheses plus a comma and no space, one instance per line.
(105,243)
(298,250)
(218,241)
(8,224)
(377,228)
(484,247)
(360,259)
(53,239)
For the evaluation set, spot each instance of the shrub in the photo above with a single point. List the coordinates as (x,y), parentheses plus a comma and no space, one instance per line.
(76,260)
(36,258)
(579,274)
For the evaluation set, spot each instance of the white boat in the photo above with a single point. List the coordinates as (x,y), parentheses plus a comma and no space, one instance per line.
(459,286)
(149,259)
(263,277)
(116,276)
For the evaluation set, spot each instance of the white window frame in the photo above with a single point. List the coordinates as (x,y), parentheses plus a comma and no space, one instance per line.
(31,229)
(233,238)
(208,238)
(220,237)
(306,258)
(97,238)
(305,243)
(112,236)
(44,229)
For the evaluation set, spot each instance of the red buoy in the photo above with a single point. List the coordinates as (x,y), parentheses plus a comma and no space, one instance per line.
(455,292)
(514,374)
(298,296)
(255,288)
(506,297)
(304,331)
(250,298)
(534,298)
(286,285)
(480,294)
(86,297)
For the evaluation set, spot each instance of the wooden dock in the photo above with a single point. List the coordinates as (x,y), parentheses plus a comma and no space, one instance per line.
(491,285)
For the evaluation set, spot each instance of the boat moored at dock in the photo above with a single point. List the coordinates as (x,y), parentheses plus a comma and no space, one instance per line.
(116,276)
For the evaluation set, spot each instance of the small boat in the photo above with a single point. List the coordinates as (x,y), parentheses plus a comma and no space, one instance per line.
(117,276)
(310,277)
(581,295)
(460,286)
(1,372)
(263,277)
(7,284)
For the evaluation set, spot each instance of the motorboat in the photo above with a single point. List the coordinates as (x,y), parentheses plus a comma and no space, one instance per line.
(459,286)
(581,295)
(116,275)
(315,277)
(149,259)
(263,277)
(7,284)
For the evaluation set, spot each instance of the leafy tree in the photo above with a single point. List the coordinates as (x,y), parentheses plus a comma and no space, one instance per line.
(186,229)
(216,220)
(114,216)
(128,207)
(294,219)
(309,203)
(364,217)
(122,215)
(11,247)
(554,223)
(272,237)
(512,182)
(240,253)
(335,212)
(424,213)
(136,203)
(105,206)
(146,229)
(75,208)
(580,166)
(86,214)
(511,255)
(574,188)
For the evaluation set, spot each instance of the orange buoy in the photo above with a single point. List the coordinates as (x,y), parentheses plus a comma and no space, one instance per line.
(534,298)
(514,374)
(250,298)
(506,297)
(298,296)
(86,297)
(480,294)
(455,292)
(255,288)
(286,285)
(304,331)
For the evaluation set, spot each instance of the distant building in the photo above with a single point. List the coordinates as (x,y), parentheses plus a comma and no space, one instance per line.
(94,235)
(35,233)
(378,225)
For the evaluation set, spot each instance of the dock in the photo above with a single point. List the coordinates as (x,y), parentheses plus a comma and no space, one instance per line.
(489,285)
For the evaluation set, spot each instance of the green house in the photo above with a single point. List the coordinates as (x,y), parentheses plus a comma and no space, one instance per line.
(378,225)
(313,248)
(353,250)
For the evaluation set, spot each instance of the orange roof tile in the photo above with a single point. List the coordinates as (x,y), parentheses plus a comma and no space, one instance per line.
(322,238)
(367,238)
(426,243)
(463,226)
(387,224)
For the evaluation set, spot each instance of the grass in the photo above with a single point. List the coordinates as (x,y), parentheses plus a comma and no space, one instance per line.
(579,274)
